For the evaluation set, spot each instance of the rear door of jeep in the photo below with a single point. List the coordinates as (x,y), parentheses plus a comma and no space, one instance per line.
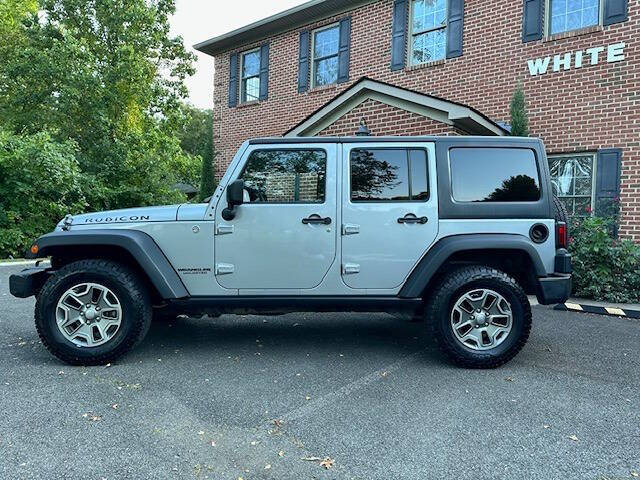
(389,209)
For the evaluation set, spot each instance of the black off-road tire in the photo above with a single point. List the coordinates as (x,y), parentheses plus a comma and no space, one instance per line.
(120,279)
(456,284)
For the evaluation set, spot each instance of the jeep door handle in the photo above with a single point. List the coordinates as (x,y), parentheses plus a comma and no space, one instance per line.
(411,218)
(316,219)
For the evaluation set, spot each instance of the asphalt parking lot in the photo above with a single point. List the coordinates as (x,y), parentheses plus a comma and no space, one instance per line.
(271,397)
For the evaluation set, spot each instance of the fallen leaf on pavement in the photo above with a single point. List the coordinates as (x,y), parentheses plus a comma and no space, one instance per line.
(213,443)
(573,437)
(200,432)
(278,423)
(547,426)
(635,474)
(281,453)
(308,397)
(267,467)
(509,379)
(114,406)
(107,365)
(327,463)
(60,372)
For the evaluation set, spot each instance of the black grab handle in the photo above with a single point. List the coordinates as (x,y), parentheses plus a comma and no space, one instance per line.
(411,218)
(316,219)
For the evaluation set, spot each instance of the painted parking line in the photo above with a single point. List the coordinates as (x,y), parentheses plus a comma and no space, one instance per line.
(611,311)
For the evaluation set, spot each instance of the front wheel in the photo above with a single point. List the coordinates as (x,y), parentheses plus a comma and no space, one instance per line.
(91,312)
(480,317)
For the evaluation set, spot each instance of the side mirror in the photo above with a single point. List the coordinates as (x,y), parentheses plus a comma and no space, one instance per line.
(235,197)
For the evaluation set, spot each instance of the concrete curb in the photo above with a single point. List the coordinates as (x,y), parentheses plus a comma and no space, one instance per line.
(598,310)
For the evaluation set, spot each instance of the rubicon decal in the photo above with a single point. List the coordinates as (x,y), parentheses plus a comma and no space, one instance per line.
(581,58)
(134,218)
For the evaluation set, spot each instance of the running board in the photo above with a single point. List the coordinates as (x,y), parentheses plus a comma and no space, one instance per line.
(289,304)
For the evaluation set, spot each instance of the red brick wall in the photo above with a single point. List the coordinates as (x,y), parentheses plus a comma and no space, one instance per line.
(577,110)
(384,119)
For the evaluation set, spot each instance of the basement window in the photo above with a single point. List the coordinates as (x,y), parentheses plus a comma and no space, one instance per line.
(428,31)
(250,68)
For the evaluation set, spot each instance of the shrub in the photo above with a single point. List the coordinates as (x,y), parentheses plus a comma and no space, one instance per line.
(40,182)
(604,268)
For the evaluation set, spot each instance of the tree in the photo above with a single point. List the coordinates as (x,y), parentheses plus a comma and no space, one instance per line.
(196,138)
(40,182)
(106,75)
(518,110)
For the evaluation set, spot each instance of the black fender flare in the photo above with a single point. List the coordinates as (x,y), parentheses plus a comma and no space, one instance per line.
(140,245)
(447,246)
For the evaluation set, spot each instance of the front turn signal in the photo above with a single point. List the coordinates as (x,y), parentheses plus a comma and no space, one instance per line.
(34,249)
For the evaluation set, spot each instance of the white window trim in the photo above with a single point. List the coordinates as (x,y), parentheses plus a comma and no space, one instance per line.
(594,173)
(547,19)
(412,34)
(313,52)
(242,77)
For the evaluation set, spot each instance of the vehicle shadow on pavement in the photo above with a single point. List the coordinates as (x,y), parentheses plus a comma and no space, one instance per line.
(346,334)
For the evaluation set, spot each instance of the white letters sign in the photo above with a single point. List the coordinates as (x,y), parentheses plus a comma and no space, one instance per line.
(566,61)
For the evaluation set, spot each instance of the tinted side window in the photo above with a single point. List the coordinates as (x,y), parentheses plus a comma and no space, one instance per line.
(286,176)
(388,174)
(494,175)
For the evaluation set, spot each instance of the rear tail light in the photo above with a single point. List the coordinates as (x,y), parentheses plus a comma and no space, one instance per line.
(562,238)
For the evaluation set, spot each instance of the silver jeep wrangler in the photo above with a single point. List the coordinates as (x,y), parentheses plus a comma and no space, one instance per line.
(456,229)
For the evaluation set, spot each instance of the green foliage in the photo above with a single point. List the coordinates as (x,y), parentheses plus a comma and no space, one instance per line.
(518,111)
(106,77)
(196,138)
(604,268)
(40,183)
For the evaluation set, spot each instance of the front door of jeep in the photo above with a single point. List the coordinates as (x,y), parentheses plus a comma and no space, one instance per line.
(283,236)
(390,211)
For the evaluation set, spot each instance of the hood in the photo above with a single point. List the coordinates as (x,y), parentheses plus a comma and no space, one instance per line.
(130,215)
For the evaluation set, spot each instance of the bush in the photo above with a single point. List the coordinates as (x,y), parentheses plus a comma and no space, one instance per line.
(40,182)
(604,268)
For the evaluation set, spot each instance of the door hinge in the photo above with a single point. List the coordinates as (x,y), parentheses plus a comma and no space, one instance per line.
(350,268)
(225,269)
(350,229)
(224,229)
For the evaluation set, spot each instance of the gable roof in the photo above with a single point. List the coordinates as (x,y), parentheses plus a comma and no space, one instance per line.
(461,116)
(290,19)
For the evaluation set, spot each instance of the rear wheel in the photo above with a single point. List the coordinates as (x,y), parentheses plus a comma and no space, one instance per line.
(91,312)
(480,317)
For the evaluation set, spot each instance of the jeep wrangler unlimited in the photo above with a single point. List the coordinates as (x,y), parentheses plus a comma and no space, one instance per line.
(457,229)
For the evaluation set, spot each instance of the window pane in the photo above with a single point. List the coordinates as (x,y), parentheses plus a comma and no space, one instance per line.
(429,46)
(251,64)
(569,15)
(572,181)
(326,42)
(494,175)
(286,176)
(250,89)
(418,164)
(428,14)
(326,71)
(379,174)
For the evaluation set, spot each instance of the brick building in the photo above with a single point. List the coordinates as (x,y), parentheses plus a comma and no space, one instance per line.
(425,67)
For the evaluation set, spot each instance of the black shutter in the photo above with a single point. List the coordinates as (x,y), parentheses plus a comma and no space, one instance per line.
(233,80)
(303,61)
(615,11)
(608,181)
(455,23)
(399,34)
(532,20)
(264,72)
(345,50)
